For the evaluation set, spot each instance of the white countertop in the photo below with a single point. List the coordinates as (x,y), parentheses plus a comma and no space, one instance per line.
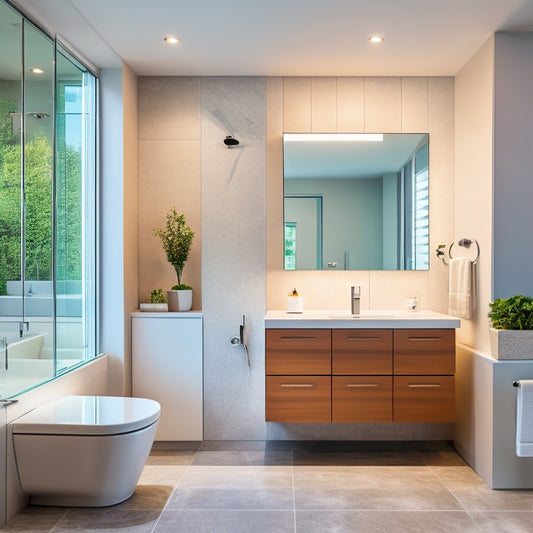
(377,319)
(167,314)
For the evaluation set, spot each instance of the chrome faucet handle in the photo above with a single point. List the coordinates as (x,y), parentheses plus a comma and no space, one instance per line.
(355,303)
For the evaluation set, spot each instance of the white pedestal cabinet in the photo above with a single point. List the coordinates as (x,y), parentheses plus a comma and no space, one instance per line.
(167,367)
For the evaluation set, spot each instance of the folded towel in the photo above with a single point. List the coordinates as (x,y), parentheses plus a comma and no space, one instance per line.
(524,418)
(460,287)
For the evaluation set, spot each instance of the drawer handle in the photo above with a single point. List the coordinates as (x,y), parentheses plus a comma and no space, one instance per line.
(297,338)
(363,338)
(298,385)
(361,385)
(424,385)
(424,339)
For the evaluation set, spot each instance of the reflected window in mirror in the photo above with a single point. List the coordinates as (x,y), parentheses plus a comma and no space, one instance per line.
(373,208)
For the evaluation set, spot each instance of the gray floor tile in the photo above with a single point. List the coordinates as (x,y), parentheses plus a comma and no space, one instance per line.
(153,497)
(384,522)
(350,458)
(237,498)
(371,488)
(107,520)
(240,445)
(230,477)
(242,458)
(503,521)
(171,458)
(34,518)
(226,522)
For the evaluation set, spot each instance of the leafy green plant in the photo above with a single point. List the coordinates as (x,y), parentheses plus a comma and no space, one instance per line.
(181,287)
(157,296)
(515,312)
(176,239)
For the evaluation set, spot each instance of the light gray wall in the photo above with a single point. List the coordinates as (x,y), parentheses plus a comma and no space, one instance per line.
(233,256)
(513,160)
(352,219)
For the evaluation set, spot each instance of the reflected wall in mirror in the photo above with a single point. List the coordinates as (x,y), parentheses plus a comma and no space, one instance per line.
(356,201)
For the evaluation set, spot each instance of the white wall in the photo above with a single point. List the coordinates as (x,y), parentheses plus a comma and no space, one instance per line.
(118,221)
(474,103)
(513,186)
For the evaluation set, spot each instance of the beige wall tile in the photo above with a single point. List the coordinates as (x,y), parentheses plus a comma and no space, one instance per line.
(274,184)
(389,290)
(297,105)
(414,105)
(324,105)
(383,105)
(169,108)
(427,105)
(169,175)
(351,105)
(441,184)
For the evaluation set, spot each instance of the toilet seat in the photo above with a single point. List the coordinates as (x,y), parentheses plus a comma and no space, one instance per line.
(89,415)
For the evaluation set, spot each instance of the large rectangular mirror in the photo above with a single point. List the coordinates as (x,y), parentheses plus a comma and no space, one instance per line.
(356,201)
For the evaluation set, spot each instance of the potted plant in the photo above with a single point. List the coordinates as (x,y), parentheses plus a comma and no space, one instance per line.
(511,334)
(176,239)
(158,301)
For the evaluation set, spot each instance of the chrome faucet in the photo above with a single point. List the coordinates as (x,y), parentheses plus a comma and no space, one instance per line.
(356,299)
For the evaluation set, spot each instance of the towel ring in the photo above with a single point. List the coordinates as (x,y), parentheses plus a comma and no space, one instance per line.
(466,243)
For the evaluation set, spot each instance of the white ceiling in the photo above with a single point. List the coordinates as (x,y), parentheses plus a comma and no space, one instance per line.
(282,37)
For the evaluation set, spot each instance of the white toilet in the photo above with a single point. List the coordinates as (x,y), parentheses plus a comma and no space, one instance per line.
(84,451)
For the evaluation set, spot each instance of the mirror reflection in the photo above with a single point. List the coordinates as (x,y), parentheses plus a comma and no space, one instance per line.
(356,201)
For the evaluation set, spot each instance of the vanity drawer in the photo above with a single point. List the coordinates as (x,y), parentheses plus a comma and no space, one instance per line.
(298,351)
(362,351)
(424,399)
(424,351)
(361,399)
(298,399)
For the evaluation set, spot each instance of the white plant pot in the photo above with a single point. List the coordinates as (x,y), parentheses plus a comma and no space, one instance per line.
(511,343)
(154,307)
(179,300)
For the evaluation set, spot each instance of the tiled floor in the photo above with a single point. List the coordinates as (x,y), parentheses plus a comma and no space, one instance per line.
(300,487)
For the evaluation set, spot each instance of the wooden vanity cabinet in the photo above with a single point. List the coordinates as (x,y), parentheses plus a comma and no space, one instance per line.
(424,368)
(360,375)
(298,381)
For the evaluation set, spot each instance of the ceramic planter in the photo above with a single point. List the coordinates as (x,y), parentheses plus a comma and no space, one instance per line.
(154,307)
(511,343)
(179,300)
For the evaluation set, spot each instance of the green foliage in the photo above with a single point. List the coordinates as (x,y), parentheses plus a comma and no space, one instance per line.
(515,312)
(176,239)
(181,287)
(157,296)
(38,211)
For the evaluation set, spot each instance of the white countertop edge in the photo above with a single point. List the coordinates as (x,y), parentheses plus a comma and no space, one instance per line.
(167,314)
(398,320)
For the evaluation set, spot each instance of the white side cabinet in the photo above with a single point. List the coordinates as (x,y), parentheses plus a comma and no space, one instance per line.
(167,367)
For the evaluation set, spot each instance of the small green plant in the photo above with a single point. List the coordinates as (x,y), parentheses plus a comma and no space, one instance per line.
(176,239)
(515,312)
(157,296)
(181,287)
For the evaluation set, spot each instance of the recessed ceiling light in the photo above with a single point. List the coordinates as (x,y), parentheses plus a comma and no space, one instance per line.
(37,70)
(375,39)
(171,39)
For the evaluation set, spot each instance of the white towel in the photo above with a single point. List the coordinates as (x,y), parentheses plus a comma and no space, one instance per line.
(524,418)
(460,287)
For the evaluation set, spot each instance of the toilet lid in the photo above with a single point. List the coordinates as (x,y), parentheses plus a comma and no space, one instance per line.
(89,415)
